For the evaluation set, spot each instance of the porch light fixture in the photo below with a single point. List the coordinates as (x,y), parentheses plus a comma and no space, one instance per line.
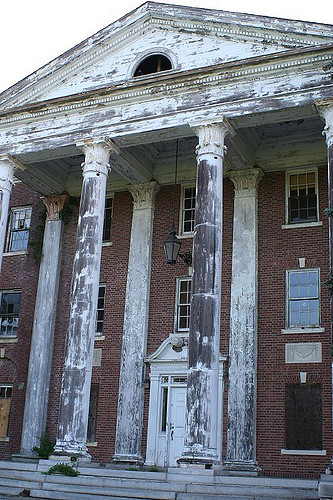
(172,244)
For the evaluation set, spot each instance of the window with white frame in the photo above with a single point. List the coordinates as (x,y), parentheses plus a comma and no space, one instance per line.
(187,210)
(183,299)
(10,305)
(100,309)
(107,220)
(18,229)
(302,196)
(303,299)
(5,400)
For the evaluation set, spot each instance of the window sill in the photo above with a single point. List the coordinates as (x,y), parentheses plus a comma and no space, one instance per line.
(18,252)
(304,452)
(107,244)
(302,224)
(290,331)
(8,340)
(184,236)
(4,440)
(94,444)
(99,337)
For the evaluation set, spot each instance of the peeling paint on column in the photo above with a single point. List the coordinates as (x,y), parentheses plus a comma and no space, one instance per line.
(75,392)
(131,390)
(242,392)
(202,385)
(41,350)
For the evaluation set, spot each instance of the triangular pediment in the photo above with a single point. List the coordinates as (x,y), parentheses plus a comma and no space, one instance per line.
(191,38)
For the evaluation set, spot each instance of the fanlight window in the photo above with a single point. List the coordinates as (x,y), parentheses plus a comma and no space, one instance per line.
(153,64)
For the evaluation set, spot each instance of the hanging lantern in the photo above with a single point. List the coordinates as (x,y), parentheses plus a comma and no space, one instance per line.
(171,248)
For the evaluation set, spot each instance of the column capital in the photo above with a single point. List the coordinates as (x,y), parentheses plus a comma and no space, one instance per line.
(211,136)
(144,194)
(325,109)
(54,205)
(7,166)
(245,180)
(97,153)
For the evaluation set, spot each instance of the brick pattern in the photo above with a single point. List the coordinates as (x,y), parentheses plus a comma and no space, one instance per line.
(279,249)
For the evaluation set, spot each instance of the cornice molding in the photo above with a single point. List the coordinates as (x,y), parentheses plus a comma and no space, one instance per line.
(120,93)
(223,28)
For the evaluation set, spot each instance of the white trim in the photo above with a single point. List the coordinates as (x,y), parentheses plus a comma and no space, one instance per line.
(9,339)
(107,244)
(303,330)
(300,270)
(301,170)
(4,439)
(177,330)
(99,337)
(18,252)
(92,444)
(303,224)
(303,452)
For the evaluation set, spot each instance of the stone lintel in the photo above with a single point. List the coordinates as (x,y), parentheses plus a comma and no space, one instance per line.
(144,194)
(54,204)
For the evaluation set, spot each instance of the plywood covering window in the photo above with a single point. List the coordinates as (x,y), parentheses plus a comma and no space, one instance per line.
(92,419)
(18,229)
(5,400)
(303,417)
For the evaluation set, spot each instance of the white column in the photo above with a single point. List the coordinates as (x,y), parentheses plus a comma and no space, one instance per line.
(41,350)
(75,391)
(326,111)
(7,166)
(242,391)
(201,432)
(131,390)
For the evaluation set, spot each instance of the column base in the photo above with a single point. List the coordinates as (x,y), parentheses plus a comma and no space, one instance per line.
(65,451)
(127,459)
(200,460)
(241,468)
(25,457)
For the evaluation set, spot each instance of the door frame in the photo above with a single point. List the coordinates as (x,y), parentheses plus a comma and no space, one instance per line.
(169,362)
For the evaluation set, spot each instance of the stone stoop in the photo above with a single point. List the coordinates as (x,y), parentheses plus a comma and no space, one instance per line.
(106,483)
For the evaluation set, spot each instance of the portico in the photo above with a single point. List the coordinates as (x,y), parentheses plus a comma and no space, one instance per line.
(237,120)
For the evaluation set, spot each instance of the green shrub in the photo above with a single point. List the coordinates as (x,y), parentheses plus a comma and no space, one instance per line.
(61,468)
(46,446)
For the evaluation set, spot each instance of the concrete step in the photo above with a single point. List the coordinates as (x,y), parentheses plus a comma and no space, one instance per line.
(56,495)
(9,490)
(111,492)
(253,491)
(19,483)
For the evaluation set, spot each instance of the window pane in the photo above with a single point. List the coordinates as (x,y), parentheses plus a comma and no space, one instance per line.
(302,201)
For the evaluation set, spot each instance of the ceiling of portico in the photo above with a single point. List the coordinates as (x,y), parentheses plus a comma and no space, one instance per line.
(271,146)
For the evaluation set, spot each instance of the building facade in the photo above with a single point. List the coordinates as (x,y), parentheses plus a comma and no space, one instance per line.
(218,127)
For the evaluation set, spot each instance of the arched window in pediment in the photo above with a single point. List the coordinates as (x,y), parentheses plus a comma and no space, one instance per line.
(153,64)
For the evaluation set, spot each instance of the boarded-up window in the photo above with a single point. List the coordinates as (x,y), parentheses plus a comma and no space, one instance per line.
(5,399)
(92,420)
(303,417)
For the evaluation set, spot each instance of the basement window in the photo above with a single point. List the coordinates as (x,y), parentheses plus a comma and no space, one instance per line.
(153,64)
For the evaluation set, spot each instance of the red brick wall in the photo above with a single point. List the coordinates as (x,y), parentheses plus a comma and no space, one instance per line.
(279,250)
(19,272)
